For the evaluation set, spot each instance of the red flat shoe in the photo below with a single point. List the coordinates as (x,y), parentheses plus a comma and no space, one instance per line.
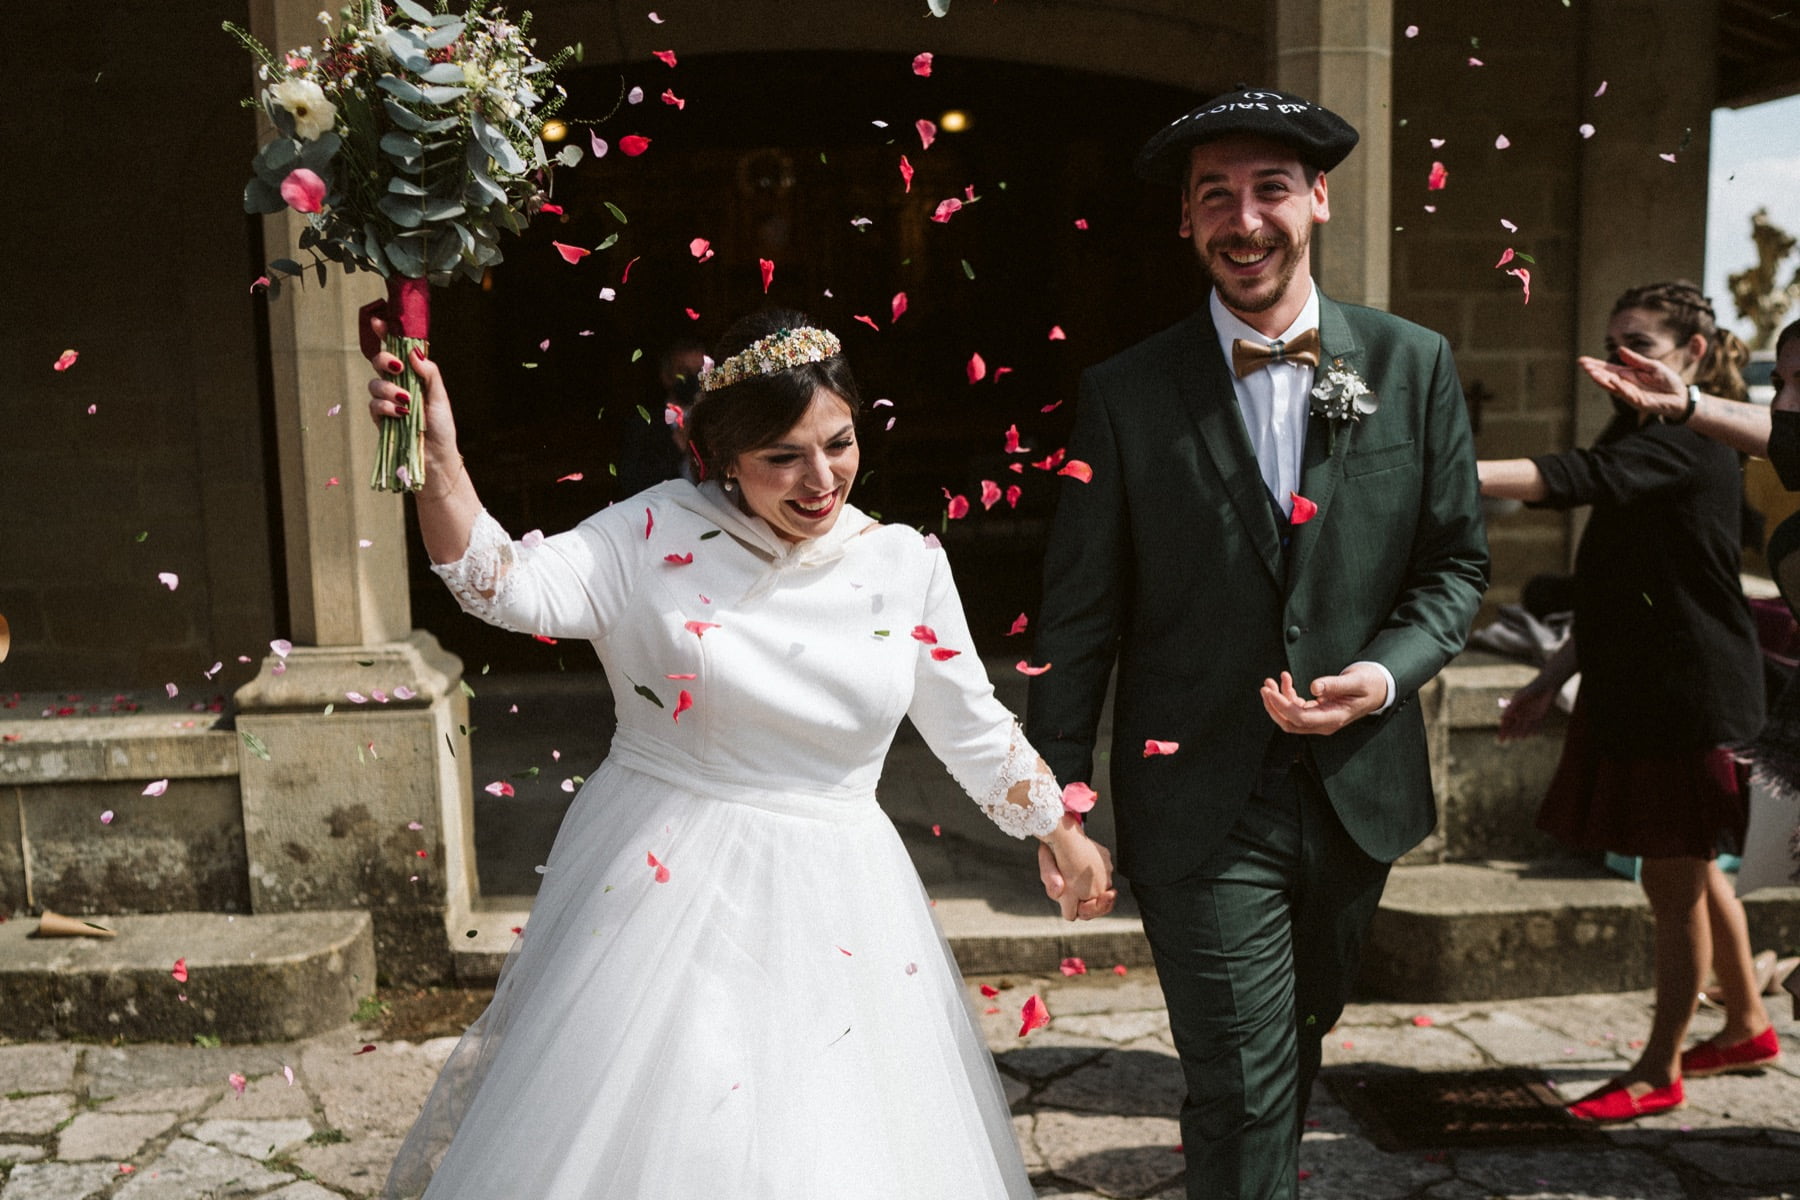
(1628,1101)
(1710,1058)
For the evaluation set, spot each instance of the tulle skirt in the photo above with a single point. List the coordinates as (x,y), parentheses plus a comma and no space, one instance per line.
(766,1011)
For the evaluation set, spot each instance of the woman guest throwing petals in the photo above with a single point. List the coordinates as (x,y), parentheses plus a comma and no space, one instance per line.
(732,983)
(1671,679)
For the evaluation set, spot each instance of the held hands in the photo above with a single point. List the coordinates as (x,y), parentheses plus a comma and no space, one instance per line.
(1339,700)
(1647,385)
(1077,872)
(1525,711)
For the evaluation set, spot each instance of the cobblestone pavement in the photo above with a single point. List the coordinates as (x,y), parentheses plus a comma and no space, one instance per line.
(1094,1093)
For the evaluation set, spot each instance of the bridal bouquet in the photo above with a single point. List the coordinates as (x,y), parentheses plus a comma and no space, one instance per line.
(410,139)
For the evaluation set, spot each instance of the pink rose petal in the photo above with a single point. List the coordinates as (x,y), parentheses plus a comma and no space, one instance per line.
(767,267)
(1154,748)
(168,579)
(925,633)
(899,306)
(668,56)
(906,172)
(958,507)
(597,144)
(922,64)
(1438,178)
(977,368)
(1585,130)
(571,254)
(1014,492)
(1502,142)
(1076,469)
(662,872)
(946,209)
(1524,278)
(179,972)
(1072,966)
(1079,798)
(699,628)
(990,493)
(1033,1015)
(156,789)
(303,190)
(943,654)
(700,248)
(1024,667)
(927,132)
(683,702)
(635,96)
(65,360)
(499,788)
(1057,334)
(632,145)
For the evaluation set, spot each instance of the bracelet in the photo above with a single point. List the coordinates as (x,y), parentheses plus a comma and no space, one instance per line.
(1693,402)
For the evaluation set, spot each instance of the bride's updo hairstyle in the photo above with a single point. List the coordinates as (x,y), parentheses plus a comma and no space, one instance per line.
(761,405)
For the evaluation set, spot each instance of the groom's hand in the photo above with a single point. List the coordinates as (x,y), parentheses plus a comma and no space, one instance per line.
(1338,700)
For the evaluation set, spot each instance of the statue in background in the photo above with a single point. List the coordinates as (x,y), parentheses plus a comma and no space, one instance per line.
(1758,299)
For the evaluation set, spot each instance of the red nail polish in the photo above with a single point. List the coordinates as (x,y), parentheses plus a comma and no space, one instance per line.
(403,397)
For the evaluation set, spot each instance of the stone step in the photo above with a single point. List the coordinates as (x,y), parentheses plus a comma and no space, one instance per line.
(1452,932)
(1505,930)
(274,977)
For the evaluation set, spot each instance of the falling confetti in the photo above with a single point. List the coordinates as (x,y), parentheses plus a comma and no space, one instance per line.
(1033,1015)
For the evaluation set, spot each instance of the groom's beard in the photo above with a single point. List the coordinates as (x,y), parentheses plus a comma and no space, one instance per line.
(1243,296)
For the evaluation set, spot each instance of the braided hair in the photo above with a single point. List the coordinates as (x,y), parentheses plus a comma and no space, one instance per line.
(1685,311)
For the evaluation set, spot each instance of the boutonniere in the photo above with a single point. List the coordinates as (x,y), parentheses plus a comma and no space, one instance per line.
(1342,395)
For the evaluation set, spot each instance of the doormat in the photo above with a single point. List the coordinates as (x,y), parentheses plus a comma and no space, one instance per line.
(1448,1110)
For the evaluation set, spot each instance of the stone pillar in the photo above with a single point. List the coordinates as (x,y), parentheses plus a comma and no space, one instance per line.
(1340,53)
(340,796)
(1643,219)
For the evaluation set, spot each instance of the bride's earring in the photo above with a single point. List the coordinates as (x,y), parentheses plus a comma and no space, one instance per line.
(730,486)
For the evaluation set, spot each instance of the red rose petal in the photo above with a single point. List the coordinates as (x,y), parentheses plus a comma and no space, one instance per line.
(67,358)
(1076,469)
(922,64)
(906,172)
(943,654)
(958,507)
(1438,178)
(899,306)
(1152,747)
(1014,492)
(768,273)
(946,209)
(925,633)
(683,702)
(631,145)
(303,190)
(989,992)
(977,368)
(1018,625)
(1033,1015)
(668,56)
(571,254)
(1072,966)
(990,493)
(662,872)
(179,972)
(1304,509)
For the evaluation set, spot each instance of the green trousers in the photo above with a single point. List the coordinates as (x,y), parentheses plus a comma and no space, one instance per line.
(1257,951)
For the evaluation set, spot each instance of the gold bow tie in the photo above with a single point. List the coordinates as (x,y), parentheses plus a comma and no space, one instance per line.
(1248,356)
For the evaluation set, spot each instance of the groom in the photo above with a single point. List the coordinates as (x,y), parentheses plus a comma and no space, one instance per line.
(1281,543)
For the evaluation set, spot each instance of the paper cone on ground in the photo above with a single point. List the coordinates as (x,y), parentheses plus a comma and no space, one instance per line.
(54,924)
(5,639)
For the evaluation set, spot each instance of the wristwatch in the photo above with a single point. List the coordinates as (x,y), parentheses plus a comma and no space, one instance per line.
(1692,404)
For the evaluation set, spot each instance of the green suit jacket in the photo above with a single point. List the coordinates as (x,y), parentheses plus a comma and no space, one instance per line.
(1169,563)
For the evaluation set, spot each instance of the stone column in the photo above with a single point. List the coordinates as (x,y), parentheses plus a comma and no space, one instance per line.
(1643,218)
(1340,53)
(340,795)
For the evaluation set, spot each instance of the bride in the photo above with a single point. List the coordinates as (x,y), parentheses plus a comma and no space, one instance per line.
(731,983)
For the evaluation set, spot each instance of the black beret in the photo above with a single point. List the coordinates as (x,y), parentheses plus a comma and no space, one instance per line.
(1322,138)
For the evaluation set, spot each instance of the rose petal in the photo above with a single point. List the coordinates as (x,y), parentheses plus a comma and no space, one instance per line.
(767,267)
(1018,625)
(1601,90)
(553,209)
(699,628)
(683,702)
(1304,509)
(1079,798)
(65,360)
(989,991)
(990,493)
(946,209)
(1014,492)
(632,145)
(668,56)
(1154,748)
(925,633)
(1057,334)
(1081,223)
(1024,667)
(1438,178)
(1437,143)
(680,560)
(922,64)
(1076,469)
(1585,130)
(1505,258)
(1525,279)
(655,19)
(571,254)
(1072,966)
(977,368)
(866,319)
(571,477)
(303,190)
(943,654)
(906,172)
(958,507)
(899,306)
(662,872)
(649,523)
(635,96)
(1502,142)
(106,818)
(689,675)
(155,789)
(927,132)
(597,144)
(168,579)
(499,788)
(179,972)
(700,248)
(1412,31)
(1033,1015)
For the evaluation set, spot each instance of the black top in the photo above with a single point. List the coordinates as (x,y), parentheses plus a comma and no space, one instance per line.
(1663,634)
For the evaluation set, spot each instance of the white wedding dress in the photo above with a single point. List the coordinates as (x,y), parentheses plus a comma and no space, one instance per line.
(731,984)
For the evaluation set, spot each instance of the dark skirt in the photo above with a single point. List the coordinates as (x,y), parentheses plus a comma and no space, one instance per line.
(1684,804)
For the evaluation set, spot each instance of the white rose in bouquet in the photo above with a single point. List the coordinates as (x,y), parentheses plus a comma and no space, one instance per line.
(313,113)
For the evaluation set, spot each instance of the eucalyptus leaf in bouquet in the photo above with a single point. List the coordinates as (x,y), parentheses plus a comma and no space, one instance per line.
(409,139)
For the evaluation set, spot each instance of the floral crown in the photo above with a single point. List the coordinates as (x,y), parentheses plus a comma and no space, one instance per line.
(779,351)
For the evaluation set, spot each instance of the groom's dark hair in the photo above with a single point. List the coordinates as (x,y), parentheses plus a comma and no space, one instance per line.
(758,409)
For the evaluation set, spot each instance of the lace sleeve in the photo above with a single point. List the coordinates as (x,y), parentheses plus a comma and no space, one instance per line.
(1036,818)
(479,579)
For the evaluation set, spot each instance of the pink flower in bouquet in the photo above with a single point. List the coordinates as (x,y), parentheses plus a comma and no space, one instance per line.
(303,190)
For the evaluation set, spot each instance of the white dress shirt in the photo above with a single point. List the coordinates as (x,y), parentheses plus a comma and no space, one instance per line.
(1276,403)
